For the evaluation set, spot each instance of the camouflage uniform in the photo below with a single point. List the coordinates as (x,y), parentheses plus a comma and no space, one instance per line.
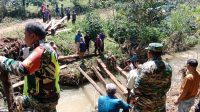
(41,89)
(152,83)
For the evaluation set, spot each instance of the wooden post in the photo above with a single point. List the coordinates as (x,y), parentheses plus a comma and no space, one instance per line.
(121,87)
(122,72)
(99,75)
(92,82)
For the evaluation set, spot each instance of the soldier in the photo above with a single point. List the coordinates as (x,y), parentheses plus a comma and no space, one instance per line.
(40,70)
(153,81)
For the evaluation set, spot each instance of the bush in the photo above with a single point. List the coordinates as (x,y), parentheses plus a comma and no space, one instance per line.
(92,23)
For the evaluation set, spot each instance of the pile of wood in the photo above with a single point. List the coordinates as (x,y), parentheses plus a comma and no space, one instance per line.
(53,25)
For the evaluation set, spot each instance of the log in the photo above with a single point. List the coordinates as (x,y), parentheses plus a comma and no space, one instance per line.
(17,84)
(8,90)
(63,66)
(56,25)
(60,58)
(48,25)
(122,72)
(112,77)
(91,81)
(100,77)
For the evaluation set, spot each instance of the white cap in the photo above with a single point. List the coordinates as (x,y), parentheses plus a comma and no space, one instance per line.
(111,88)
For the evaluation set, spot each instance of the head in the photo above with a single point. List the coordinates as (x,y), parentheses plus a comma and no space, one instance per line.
(110,89)
(52,43)
(47,6)
(61,5)
(79,32)
(33,33)
(154,50)
(192,65)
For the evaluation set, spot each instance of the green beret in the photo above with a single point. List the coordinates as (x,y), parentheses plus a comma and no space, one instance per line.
(156,47)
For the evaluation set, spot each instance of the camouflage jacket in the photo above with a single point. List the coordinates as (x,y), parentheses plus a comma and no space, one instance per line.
(152,84)
(42,83)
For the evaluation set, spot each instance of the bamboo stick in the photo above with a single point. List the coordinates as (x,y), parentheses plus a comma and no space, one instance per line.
(112,77)
(91,81)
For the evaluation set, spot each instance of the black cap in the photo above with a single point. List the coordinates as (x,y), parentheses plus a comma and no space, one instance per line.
(192,62)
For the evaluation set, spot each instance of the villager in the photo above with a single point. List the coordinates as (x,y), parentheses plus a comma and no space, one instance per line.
(102,37)
(82,48)
(43,8)
(47,14)
(68,13)
(110,103)
(131,99)
(77,39)
(189,87)
(57,11)
(87,41)
(73,17)
(40,70)
(153,82)
(98,44)
(62,11)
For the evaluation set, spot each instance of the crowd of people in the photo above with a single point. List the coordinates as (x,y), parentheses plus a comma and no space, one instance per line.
(83,43)
(60,12)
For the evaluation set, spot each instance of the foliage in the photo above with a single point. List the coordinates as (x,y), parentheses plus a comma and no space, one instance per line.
(181,19)
(92,23)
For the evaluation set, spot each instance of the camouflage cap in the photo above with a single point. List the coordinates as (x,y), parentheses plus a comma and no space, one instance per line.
(156,47)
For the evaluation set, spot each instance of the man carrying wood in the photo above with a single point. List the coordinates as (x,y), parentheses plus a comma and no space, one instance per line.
(153,82)
(40,70)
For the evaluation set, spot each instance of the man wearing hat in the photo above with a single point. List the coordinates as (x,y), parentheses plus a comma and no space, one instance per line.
(110,103)
(153,82)
(189,87)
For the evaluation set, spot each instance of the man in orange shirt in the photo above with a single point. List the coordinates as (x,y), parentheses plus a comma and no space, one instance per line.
(189,87)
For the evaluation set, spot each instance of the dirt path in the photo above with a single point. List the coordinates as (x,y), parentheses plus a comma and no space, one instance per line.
(4,31)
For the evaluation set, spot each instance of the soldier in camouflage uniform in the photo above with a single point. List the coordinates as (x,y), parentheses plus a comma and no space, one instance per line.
(40,70)
(153,82)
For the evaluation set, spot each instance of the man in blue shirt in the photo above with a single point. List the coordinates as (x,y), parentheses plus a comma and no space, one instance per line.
(110,103)
(77,39)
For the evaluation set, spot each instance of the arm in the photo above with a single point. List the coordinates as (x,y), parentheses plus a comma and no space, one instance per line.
(125,106)
(186,84)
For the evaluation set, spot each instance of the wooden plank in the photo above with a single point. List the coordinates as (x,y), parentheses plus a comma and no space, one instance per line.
(100,77)
(91,81)
(121,71)
(18,84)
(112,77)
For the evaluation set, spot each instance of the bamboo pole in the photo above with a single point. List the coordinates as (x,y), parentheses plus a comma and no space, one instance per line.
(121,87)
(122,72)
(91,81)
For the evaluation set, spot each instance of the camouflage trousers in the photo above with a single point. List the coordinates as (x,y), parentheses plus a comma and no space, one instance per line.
(31,103)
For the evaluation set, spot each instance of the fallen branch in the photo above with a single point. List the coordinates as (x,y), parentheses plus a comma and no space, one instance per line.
(92,82)
(112,77)
(48,25)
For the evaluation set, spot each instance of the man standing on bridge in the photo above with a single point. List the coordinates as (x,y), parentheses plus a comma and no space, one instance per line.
(40,70)
(153,82)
